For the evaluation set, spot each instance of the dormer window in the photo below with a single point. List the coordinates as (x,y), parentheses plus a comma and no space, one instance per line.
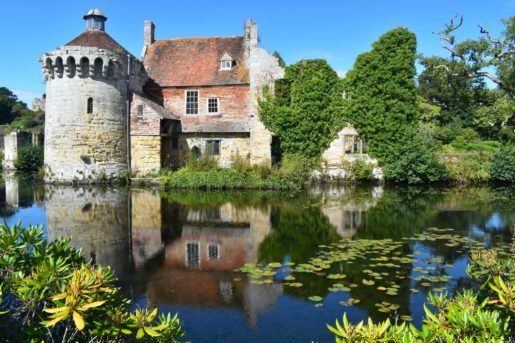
(225,65)
(226,62)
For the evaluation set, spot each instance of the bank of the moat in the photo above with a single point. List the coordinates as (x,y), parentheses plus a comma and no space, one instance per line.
(180,250)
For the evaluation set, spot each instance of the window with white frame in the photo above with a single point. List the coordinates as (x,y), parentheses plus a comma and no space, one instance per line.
(212,105)
(212,147)
(191,102)
(225,65)
(213,252)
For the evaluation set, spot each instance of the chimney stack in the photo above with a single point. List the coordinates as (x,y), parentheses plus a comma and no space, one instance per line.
(148,33)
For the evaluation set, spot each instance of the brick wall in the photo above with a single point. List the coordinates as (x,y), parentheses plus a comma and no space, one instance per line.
(232,104)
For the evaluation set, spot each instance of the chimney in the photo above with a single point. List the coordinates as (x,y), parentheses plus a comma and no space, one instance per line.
(251,34)
(148,33)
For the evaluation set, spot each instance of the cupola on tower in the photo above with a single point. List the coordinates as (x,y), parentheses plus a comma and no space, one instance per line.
(88,81)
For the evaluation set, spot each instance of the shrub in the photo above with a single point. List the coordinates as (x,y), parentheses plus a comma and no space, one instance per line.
(295,169)
(413,162)
(468,167)
(202,163)
(468,135)
(29,159)
(52,294)
(503,164)
(358,170)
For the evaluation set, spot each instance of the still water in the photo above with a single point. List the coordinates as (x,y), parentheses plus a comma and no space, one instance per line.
(180,251)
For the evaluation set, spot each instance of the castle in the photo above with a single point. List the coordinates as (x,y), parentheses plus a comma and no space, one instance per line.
(107,110)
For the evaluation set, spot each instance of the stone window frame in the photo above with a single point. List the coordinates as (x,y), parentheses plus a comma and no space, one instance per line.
(89,105)
(186,101)
(217,105)
(215,140)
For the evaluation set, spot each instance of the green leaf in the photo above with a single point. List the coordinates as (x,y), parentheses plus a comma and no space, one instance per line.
(79,320)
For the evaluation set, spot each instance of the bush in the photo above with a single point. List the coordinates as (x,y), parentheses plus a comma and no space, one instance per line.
(503,164)
(52,294)
(29,159)
(295,169)
(468,167)
(358,170)
(413,162)
(201,163)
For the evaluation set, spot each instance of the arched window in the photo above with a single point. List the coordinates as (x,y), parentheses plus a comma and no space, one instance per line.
(70,67)
(84,67)
(99,65)
(90,105)
(59,67)
(49,68)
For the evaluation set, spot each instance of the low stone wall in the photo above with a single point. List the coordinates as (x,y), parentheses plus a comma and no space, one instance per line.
(145,154)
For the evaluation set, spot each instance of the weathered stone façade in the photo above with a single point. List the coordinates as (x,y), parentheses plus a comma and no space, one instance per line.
(93,84)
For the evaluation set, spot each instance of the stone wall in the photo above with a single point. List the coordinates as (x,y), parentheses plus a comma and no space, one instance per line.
(145,154)
(231,145)
(264,69)
(12,142)
(81,146)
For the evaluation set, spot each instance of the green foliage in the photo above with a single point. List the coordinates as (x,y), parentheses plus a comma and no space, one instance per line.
(380,88)
(358,170)
(293,173)
(503,164)
(279,59)
(412,161)
(485,315)
(201,163)
(304,111)
(55,295)
(30,158)
(468,167)
(382,105)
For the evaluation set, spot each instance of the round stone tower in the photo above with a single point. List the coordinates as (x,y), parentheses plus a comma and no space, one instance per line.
(89,81)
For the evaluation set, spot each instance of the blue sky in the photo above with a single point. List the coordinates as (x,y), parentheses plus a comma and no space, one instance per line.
(337,30)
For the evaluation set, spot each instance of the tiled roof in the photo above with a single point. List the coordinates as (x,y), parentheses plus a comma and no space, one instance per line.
(99,39)
(196,61)
(163,112)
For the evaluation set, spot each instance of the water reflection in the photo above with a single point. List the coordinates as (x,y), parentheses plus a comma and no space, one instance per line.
(179,251)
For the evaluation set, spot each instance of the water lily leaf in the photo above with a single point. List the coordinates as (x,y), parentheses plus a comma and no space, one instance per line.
(315,298)
(368,282)
(406,318)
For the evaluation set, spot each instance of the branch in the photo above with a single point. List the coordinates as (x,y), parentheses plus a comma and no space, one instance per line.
(447,40)
(494,79)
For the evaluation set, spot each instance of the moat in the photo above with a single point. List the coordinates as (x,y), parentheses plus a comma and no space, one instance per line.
(180,251)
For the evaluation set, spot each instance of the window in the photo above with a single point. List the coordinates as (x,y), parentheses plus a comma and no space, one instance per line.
(212,105)
(192,255)
(213,147)
(191,102)
(225,65)
(139,112)
(213,252)
(90,105)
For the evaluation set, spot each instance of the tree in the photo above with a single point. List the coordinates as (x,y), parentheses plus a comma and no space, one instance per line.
(279,59)
(380,90)
(8,100)
(445,83)
(487,51)
(381,103)
(303,112)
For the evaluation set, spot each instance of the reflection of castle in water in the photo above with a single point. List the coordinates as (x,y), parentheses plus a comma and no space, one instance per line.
(181,254)
(201,253)
(95,220)
(343,208)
